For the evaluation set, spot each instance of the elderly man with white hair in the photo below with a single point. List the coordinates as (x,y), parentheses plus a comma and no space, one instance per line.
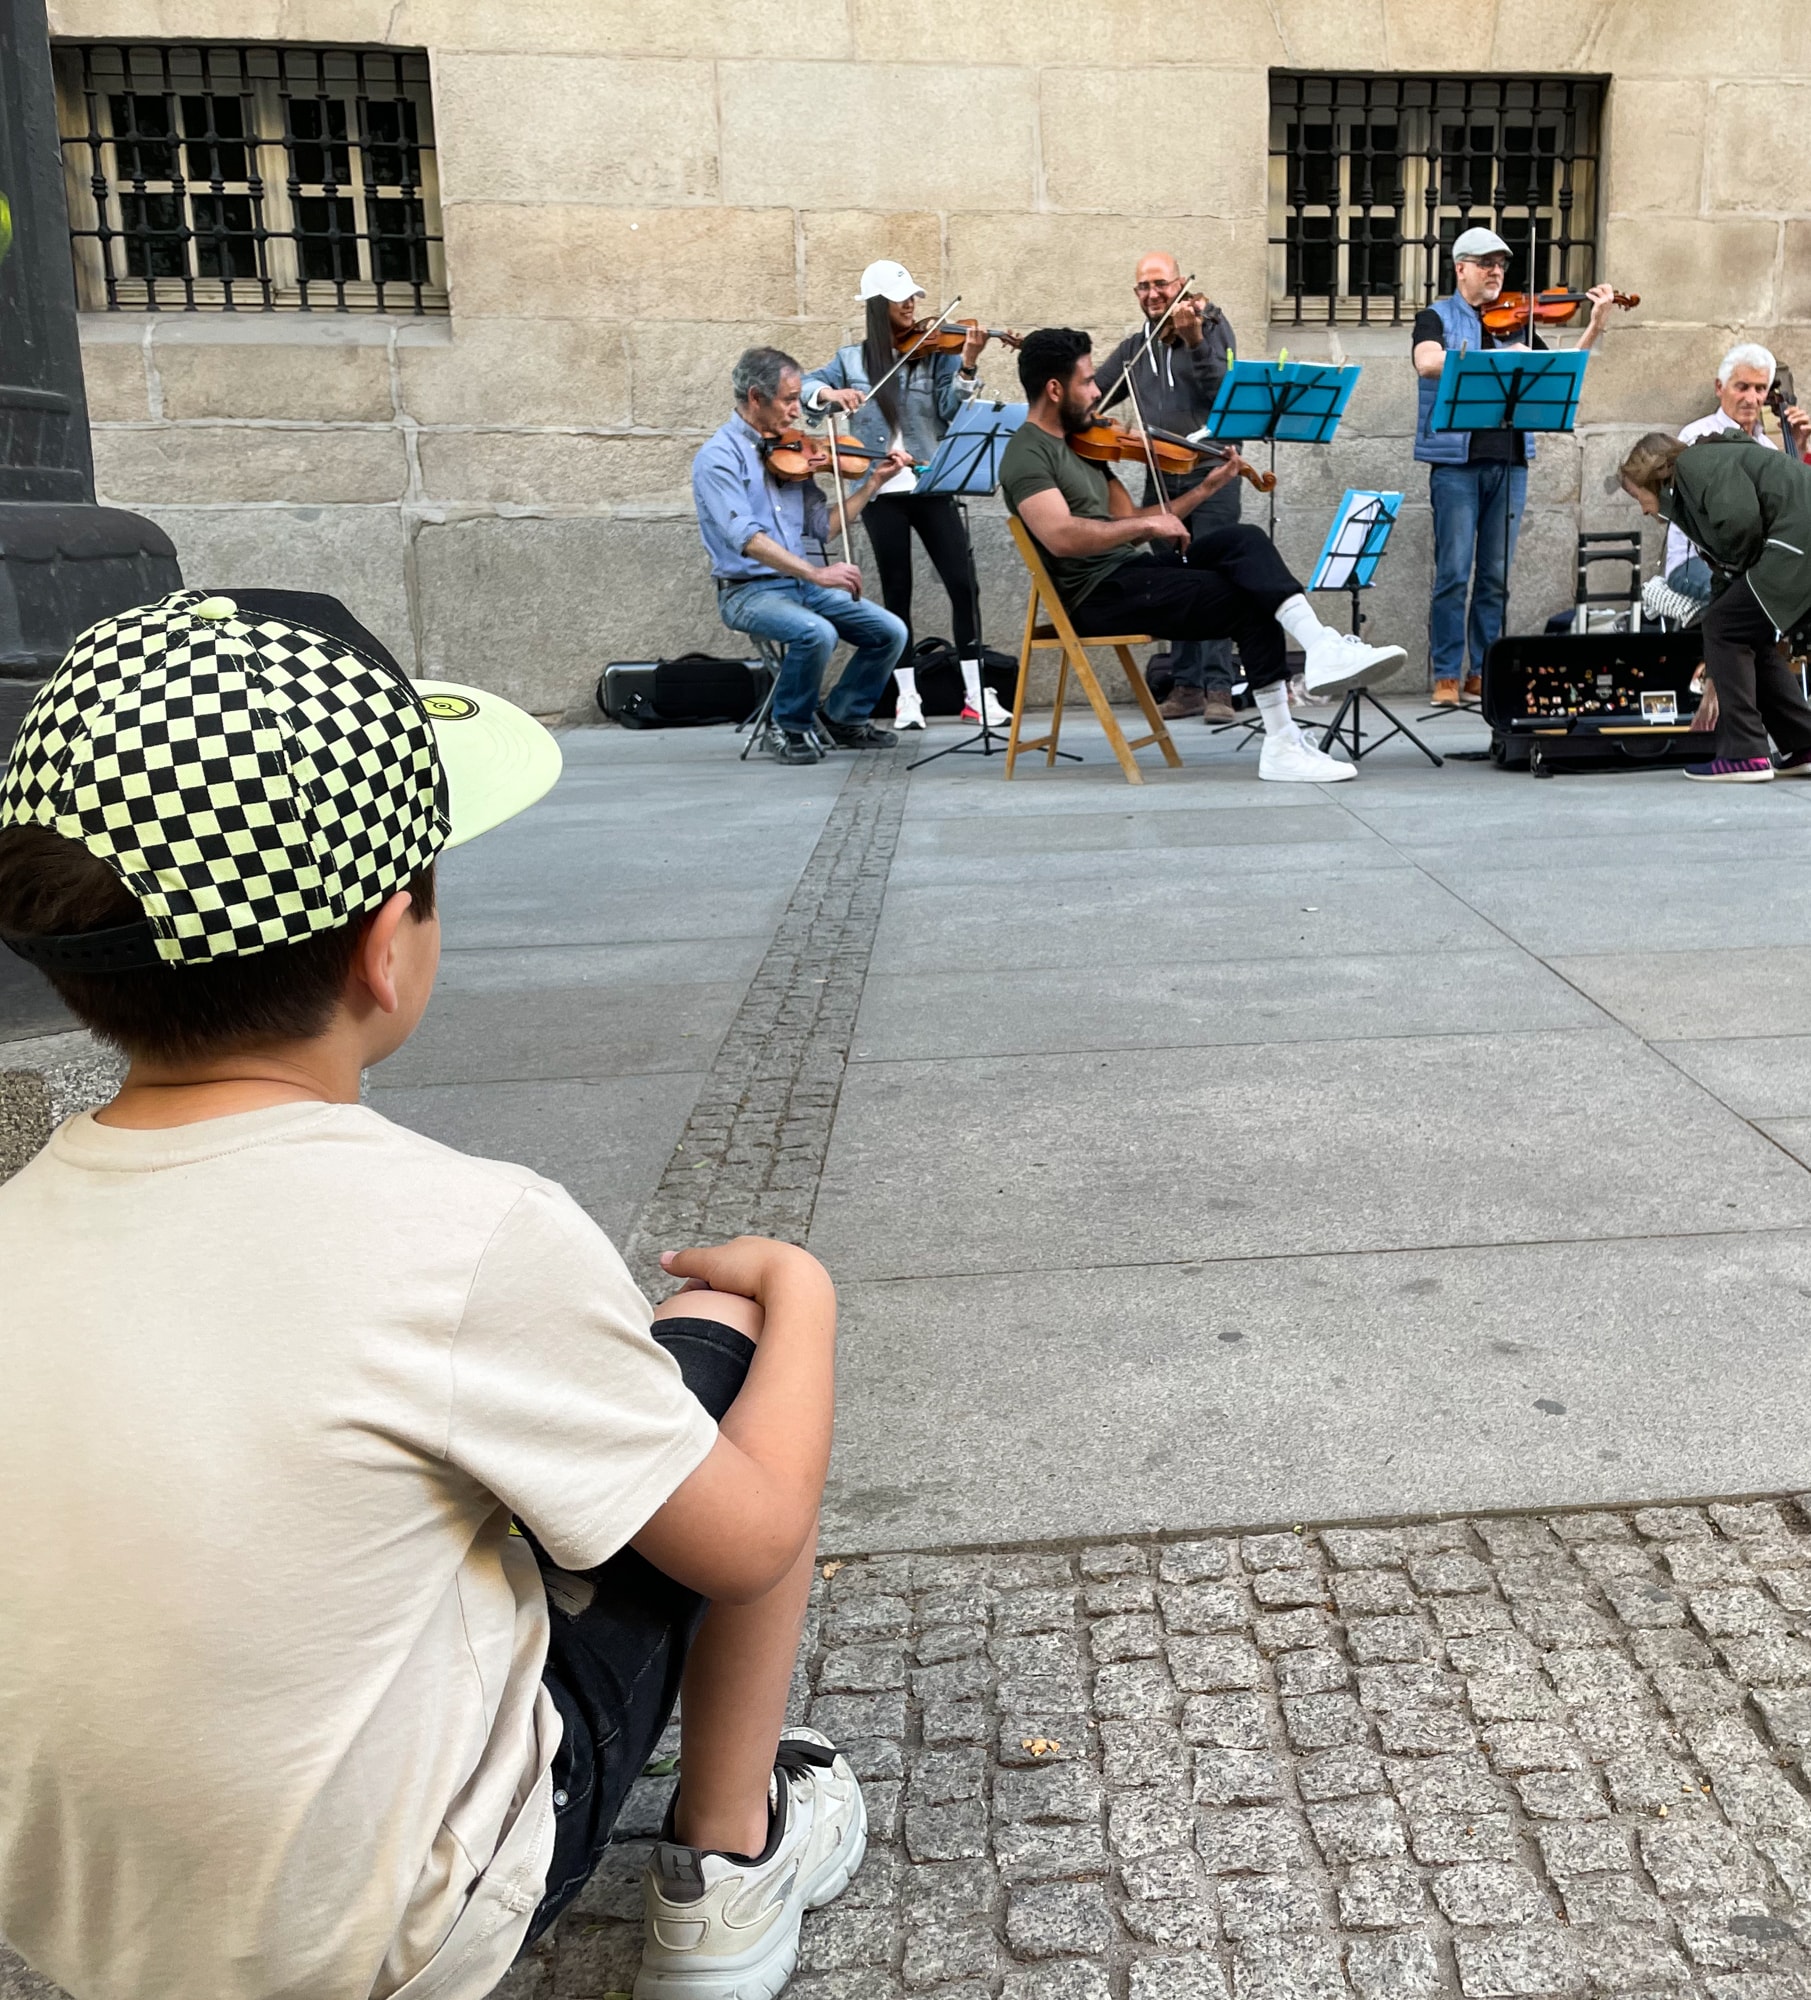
(1744,376)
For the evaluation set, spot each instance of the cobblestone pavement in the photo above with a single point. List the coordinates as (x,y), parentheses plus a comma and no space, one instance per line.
(1475,1758)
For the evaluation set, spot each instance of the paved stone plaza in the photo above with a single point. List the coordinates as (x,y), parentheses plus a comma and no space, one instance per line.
(1323,1283)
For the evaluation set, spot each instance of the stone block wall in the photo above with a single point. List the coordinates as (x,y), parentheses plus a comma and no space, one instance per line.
(634,190)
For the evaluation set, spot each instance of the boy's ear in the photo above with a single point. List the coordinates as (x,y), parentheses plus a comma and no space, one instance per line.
(374,967)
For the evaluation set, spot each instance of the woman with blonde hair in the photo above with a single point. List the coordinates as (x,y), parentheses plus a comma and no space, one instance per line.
(1749,513)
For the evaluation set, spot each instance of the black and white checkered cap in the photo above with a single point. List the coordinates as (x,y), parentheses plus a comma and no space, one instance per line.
(249,779)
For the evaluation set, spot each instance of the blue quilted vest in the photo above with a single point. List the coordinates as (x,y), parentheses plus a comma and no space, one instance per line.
(1463,329)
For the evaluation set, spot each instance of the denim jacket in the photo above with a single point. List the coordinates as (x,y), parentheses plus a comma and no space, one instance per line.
(1463,329)
(931,391)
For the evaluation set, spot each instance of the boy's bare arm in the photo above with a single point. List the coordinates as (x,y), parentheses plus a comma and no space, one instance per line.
(737,1524)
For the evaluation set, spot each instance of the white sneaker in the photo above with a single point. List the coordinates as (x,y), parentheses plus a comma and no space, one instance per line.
(1339,660)
(718,1929)
(998,714)
(1293,760)
(909,714)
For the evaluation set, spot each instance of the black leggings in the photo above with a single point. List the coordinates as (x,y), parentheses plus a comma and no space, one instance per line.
(889,522)
(1227,587)
(1757,692)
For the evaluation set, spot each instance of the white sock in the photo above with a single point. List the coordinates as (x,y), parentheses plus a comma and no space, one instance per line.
(1296,616)
(1273,707)
(971,683)
(906,680)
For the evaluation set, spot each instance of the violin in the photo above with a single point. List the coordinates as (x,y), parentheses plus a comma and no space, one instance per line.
(950,338)
(796,455)
(1549,309)
(1105,442)
(1170,336)
(1781,397)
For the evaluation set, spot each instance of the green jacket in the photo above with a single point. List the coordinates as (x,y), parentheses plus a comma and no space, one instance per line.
(1749,511)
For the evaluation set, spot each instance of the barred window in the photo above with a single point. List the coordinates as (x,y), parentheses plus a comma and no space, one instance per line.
(217,177)
(1372,178)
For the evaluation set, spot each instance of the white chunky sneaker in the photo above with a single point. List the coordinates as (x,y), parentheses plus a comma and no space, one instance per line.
(1338,660)
(720,1929)
(1293,760)
(909,714)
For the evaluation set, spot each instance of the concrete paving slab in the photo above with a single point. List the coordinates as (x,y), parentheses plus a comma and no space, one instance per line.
(1182,867)
(1686,995)
(1552,853)
(1212,1005)
(1760,1076)
(539,1015)
(1794,1134)
(605,1139)
(967,836)
(1645,907)
(1095,1403)
(1101,925)
(1131,1157)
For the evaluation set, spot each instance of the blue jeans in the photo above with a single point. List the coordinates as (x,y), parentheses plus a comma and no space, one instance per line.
(1473,505)
(808,620)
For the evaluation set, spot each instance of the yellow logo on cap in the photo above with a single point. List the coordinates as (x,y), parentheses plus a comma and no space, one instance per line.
(448,707)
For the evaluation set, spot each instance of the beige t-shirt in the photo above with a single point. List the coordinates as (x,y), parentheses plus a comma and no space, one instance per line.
(271,1717)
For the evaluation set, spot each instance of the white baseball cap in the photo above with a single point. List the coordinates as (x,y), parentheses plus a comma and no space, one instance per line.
(884,279)
(1480,243)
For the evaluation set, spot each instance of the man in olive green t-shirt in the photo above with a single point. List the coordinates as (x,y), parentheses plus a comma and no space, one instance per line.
(1231,584)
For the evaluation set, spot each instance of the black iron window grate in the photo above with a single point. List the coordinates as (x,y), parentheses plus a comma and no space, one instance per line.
(1372,178)
(224,177)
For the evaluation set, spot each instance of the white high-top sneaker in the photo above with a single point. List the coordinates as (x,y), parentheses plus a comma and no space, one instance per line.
(909,711)
(719,1929)
(1340,660)
(1293,760)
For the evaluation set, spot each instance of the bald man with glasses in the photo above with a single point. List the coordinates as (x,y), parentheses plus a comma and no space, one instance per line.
(1175,376)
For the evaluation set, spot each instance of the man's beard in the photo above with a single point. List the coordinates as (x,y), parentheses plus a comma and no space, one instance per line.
(1075,415)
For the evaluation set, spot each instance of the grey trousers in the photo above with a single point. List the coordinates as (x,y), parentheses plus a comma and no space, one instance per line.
(1202,663)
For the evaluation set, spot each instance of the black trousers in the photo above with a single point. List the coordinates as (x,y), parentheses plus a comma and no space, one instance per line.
(890,522)
(1227,587)
(1201,663)
(1757,692)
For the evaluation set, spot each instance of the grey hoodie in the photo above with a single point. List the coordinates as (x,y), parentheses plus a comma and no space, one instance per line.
(1177,385)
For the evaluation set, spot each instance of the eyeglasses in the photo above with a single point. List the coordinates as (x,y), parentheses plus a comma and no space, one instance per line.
(1159,285)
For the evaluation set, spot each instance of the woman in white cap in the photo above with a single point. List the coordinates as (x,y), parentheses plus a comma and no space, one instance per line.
(910,412)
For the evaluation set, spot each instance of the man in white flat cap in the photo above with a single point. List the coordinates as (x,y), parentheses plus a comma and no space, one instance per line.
(1477,480)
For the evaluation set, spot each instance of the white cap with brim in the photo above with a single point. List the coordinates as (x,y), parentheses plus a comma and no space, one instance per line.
(1480,243)
(885,279)
(498,760)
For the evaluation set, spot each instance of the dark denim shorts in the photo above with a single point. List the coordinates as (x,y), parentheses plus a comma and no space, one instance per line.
(617,1646)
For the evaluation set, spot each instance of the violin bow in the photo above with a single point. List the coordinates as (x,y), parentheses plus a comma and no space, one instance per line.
(1150,457)
(1151,331)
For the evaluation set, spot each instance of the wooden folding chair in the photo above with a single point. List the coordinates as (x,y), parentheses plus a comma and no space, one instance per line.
(1060,635)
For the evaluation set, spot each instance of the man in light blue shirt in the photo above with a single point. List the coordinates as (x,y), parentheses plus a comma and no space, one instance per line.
(760,533)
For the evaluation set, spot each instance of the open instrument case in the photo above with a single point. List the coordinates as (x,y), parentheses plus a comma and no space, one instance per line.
(1600,701)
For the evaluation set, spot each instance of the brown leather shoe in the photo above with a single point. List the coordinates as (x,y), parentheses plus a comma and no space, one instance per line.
(1446,694)
(1474,687)
(1183,702)
(1217,707)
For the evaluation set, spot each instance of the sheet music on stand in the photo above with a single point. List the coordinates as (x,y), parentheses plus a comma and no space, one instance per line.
(1355,543)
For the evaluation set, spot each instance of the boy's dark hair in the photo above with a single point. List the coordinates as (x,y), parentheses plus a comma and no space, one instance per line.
(1049,355)
(52,887)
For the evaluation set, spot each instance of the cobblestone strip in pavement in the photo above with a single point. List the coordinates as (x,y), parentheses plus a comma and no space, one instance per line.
(1484,1758)
(753,1149)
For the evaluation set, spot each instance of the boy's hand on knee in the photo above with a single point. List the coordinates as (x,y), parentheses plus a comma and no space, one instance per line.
(750,1265)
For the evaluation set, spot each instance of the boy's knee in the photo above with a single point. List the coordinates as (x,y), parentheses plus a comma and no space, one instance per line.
(729,1309)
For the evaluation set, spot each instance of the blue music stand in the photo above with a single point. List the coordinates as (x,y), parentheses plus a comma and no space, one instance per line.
(968,462)
(1506,389)
(1300,402)
(1348,561)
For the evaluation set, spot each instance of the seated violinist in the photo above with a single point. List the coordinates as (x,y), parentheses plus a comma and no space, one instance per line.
(1230,584)
(761,533)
